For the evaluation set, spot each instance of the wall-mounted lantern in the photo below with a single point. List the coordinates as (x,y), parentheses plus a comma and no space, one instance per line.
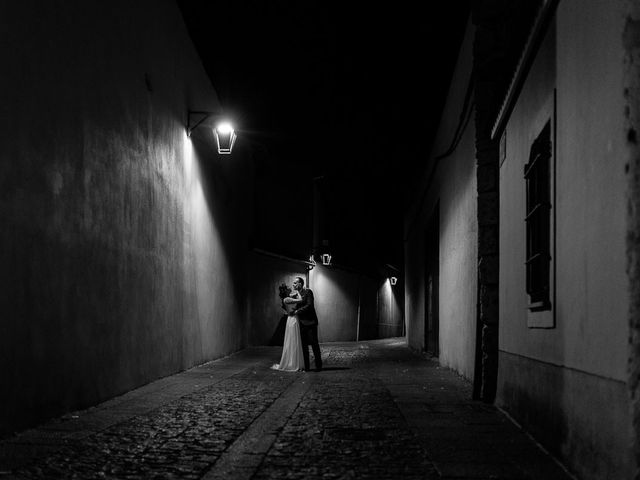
(223,131)
(326,259)
(225,137)
(393,280)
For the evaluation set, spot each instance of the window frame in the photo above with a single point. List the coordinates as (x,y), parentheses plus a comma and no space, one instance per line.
(541,309)
(537,174)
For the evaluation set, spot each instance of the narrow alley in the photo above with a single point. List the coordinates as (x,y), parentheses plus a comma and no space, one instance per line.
(377,410)
(442,196)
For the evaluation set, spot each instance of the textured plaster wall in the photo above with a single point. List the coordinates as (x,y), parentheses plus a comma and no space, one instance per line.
(351,306)
(390,310)
(369,308)
(585,355)
(122,260)
(454,185)
(336,301)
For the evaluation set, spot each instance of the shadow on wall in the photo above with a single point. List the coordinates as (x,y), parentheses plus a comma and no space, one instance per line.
(277,339)
(265,313)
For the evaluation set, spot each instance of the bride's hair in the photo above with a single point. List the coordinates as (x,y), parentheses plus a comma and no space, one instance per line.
(284,290)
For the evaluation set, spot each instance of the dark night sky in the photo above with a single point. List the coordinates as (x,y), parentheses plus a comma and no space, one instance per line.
(346,90)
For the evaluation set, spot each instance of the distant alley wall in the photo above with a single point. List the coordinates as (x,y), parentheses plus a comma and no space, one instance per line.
(121,258)
(350,306)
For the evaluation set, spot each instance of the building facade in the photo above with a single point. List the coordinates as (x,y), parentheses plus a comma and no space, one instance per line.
(551,123)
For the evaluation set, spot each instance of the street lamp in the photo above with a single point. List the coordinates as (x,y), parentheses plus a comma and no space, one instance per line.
(223,131)
(225,137)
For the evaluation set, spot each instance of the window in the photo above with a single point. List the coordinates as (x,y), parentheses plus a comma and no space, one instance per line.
(537,174)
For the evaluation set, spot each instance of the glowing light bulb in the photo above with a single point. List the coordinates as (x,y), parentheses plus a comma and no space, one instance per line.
(225,137)
(224,128)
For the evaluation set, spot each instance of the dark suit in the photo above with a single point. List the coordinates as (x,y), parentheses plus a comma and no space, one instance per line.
(308,320)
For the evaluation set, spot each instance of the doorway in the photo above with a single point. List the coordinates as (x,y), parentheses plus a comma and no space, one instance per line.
(432,284)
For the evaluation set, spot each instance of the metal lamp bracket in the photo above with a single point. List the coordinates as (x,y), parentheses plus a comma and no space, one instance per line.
(196,118)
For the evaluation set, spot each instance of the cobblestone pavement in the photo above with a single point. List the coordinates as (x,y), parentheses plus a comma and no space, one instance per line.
(376,411)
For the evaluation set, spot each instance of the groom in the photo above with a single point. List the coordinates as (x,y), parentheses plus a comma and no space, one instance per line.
(308,320)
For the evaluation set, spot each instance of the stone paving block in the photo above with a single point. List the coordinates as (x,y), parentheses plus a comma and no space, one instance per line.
(16,456)
(85,424)
(542,468)
(450,432)
(451,408)
(480,470)
(39,436)
(483,419)
(513,444)
(468,455)
(463,449)
(428,421)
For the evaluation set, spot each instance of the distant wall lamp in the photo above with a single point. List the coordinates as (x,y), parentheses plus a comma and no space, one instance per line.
(223,131)
(326,259)
(393,280)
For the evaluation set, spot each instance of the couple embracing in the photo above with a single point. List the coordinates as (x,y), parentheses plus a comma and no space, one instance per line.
(301,330)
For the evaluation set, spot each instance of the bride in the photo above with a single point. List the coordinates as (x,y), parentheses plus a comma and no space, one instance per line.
(292,359)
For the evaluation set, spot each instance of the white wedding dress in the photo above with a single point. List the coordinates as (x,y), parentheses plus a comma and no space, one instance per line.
(292,359)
